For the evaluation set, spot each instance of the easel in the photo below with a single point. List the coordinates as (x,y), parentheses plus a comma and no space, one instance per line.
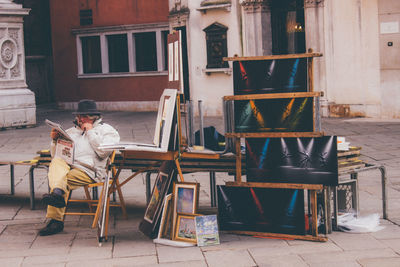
(108,189)
(236,136)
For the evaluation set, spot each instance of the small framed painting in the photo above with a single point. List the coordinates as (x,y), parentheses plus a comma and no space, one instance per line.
(156,197)
(185,228)
(165,230)
(186,197)
(207,230)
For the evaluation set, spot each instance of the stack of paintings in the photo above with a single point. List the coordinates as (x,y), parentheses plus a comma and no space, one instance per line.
(276,111)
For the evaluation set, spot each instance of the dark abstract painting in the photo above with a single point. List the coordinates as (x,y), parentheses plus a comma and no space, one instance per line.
(306,160)
(274,115)
(268,210)
(270,76)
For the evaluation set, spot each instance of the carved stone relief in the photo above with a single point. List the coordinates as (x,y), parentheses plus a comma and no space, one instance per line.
(313,3)
(10,56)
(251,6)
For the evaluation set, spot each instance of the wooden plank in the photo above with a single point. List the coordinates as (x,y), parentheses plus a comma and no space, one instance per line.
(305,55)
(276,185)
(283,236)
(199,155)
(272,96)
(314,213)
(132,154)
(238,160)
(274,134)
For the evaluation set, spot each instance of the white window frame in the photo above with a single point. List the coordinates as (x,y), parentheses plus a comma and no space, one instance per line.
(129,30)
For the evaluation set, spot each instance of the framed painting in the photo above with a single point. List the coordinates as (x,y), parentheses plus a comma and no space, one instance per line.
(207,230)
(303,160)
(156,197)
(185,228)
(165,230)
(162,185)
(186,198)
(274,115)
(165,118)
(270,76)
(268,210)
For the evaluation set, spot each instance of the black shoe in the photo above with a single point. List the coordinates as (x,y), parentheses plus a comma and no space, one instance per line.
(53,227)
(54,200)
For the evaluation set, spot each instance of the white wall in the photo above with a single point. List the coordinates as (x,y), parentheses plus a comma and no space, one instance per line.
(352,55)
(210,88)
(389,12)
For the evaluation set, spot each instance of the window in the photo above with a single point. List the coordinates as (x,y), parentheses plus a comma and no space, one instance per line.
(216,45)
(122,51)
(91,55)
(146,51)
(118,53)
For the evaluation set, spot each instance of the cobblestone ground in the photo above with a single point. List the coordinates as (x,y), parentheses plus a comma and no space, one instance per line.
(77,244)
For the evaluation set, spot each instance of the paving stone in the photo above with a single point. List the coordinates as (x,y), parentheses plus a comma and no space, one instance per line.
(337,263)
(380,262)
(393,244)
(27,251)
(345,256)
(182,264)
(59,240)
(284,261)
(348,241)
(134,248)
(247,242)
(128,261)
(176,254)
(11,262)
(229,258)
(390,231)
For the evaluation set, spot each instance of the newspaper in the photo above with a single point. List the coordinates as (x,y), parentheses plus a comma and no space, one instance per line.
(65,148)
(58,127)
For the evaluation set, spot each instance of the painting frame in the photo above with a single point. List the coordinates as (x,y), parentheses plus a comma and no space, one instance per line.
(180,191)
(165,230)
(155,200)
(188,218)
(165,116)
(162,186)
(207,231)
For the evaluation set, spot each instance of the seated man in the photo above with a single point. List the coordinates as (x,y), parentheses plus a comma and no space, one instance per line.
(89,162)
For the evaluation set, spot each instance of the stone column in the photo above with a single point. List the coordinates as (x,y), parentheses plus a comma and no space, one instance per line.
(315,40)
(257,29)
(17,102)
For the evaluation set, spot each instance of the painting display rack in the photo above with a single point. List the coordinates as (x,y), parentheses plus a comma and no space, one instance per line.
(287,81)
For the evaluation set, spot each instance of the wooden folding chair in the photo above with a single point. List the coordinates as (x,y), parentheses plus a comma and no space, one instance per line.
(95,202)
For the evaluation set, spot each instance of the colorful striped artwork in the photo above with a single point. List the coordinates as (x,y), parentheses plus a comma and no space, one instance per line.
(270,76)
(274,115)
(305,160)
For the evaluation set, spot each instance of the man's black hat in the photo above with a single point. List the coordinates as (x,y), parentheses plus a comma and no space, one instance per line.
(87,107)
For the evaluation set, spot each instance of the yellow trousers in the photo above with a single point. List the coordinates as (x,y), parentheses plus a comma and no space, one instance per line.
(62,176)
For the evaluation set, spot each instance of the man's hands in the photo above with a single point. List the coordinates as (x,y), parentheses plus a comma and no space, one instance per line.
(87,126)
(85,123)
(54,134)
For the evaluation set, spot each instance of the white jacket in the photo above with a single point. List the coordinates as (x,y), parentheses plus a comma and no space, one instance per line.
(87,155)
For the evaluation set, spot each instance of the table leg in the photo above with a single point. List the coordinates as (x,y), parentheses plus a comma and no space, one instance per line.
(148,187)
(32,187)
(12,180)
(384,196)
(213,190)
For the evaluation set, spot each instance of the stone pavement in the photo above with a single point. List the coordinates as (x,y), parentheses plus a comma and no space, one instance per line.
(77,245)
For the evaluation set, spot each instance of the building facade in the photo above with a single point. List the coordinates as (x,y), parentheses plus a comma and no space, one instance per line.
(111,52)
(359,70)
(116,53)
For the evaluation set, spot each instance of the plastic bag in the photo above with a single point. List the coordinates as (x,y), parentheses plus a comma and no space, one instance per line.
(348,222)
